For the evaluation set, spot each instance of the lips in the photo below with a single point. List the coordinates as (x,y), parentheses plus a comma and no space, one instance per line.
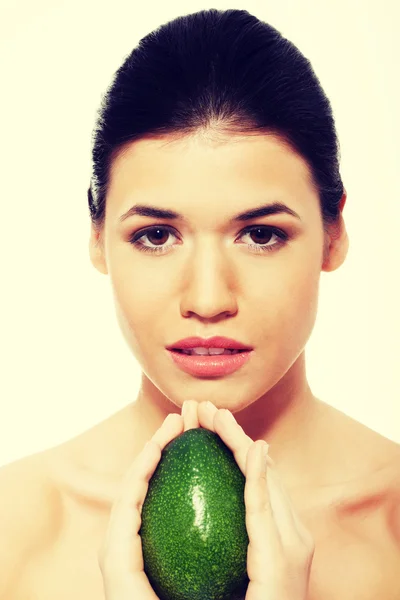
(212,342)
(208,351)
(210,366)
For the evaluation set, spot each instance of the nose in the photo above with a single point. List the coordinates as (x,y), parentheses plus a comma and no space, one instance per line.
(209,285)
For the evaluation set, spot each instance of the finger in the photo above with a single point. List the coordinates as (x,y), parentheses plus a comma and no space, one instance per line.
(260,522)
(228,429)
(290,519)
(292,532)
(122,549)
(171,427)
(270,510)
(206,412)
(189,414)
(234,437)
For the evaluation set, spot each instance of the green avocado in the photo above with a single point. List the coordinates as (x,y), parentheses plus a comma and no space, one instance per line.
(193,530)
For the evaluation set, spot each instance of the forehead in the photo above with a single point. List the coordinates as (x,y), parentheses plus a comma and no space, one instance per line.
(226,170)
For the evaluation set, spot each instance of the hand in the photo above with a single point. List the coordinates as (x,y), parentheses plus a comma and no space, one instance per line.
(281,548)
(120,557)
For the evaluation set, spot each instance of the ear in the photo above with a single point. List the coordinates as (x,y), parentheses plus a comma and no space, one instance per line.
(96,250)
(336,243)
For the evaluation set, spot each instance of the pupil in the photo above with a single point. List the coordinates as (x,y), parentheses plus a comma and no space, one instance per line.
(259,232)
(159,237)
(263,233)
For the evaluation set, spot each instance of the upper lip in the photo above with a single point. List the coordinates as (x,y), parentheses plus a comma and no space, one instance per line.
(212,342)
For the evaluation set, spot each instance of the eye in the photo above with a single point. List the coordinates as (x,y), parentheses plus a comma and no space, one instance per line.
(153,232)
(161,233)
(266,232)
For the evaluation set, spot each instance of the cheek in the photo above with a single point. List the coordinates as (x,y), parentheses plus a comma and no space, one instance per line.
(288,309)
(139,297)
(138,282)
(283,295)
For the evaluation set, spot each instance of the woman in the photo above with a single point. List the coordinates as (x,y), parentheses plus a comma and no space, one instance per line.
(216,201)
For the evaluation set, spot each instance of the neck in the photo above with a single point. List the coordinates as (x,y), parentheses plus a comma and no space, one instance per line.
(282,417)
(285,417)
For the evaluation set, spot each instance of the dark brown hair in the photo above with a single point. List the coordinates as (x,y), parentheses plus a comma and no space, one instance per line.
(226,71)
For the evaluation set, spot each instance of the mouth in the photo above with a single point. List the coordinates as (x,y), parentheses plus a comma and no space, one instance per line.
(204,364)
(206,352)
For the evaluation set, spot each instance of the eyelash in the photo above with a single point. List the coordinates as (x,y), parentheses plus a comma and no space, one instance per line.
(282,236)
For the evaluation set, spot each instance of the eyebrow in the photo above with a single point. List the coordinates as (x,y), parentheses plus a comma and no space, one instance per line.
(144,210)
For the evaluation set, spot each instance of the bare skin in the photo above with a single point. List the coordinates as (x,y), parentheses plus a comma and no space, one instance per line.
(342,478)
(354,524)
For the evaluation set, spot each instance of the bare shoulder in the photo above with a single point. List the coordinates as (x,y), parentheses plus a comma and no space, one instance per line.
(357,529)
(29,513)
(357,450)
(373,465)
(370,513)
(390,492)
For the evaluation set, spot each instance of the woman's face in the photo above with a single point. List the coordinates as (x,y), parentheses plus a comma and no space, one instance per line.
(208,279)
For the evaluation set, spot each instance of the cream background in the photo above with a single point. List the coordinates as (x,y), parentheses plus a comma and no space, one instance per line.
(64,364)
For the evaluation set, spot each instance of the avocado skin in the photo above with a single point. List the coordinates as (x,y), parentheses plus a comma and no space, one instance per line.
(193,530)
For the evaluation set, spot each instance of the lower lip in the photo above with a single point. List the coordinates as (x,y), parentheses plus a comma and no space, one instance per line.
(210,366)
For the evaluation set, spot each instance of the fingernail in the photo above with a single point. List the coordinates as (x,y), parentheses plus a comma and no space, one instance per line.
(229,415)
(264,450)
(270,462)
